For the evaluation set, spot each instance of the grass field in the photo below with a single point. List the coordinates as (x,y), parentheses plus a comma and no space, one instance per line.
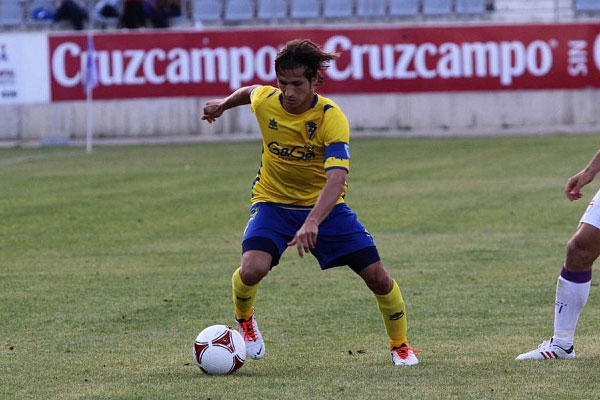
(111,263)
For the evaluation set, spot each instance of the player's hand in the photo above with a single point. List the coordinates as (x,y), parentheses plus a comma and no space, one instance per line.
(306,238)
(212,110)
(575,183)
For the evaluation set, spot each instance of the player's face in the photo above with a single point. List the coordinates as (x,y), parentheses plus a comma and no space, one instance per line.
(297,90)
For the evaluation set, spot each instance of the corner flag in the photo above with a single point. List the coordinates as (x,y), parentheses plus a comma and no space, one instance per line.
(90,81)
(90,76)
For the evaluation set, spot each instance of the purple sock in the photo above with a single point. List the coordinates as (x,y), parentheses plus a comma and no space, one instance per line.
(576,276)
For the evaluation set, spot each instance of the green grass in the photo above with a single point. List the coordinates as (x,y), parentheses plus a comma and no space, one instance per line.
(111,263)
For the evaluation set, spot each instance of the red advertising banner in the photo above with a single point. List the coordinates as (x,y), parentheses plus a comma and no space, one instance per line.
(372,60)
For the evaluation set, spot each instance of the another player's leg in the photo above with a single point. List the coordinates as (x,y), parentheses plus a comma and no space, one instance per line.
(245,281)
(572,290)
(393,311)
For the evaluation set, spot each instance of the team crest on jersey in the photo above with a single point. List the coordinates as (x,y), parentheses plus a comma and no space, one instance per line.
(273,124)
(311,129)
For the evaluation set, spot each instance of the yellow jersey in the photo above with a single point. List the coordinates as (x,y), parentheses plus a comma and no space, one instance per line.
(297,148)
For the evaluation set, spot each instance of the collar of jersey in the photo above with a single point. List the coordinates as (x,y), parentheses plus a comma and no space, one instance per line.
(313,105)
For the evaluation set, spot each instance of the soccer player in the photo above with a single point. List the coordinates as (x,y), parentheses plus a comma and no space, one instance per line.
(298,193)
(573,286)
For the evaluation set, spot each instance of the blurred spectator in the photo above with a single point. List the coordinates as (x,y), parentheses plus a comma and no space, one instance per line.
(173,8)
(133,14)
(160,11)
(106,12)
(73,11)
(155,10)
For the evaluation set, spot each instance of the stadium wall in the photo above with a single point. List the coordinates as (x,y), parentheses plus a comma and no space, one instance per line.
(418,114)
(397,80)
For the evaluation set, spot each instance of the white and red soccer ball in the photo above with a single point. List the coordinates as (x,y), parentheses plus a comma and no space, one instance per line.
(219,350)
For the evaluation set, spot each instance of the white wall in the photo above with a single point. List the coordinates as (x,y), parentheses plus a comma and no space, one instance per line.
(399,114)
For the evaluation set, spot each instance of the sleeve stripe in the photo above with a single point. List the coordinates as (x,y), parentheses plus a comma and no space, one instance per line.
(339,150)
(337,167)
(272,93)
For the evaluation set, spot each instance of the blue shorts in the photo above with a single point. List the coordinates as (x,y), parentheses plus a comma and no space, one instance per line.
(342,239)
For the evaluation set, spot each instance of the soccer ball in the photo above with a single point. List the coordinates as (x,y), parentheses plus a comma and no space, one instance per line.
(219,350)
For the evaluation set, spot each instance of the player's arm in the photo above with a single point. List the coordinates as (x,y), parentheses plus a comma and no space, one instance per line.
(582,178)
(306,237)
(215,108)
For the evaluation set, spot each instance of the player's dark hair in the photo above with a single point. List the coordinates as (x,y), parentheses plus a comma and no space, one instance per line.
(299,53)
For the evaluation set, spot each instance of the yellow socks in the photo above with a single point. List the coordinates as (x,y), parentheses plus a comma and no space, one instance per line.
(391,307)
(243,296)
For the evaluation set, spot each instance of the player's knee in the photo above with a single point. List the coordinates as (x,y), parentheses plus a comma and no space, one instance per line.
(254,269)
(251,275)
(377,279)
(579,249)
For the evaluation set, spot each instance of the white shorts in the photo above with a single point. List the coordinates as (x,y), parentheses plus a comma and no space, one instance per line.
(592,214)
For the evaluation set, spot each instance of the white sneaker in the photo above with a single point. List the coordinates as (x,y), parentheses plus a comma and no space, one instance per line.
(405,355)
(255,346)
(548,351)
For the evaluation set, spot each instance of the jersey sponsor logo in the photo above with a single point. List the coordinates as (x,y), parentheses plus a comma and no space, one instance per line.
(273,124)
(305,153)
(311,129)
(396,316)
